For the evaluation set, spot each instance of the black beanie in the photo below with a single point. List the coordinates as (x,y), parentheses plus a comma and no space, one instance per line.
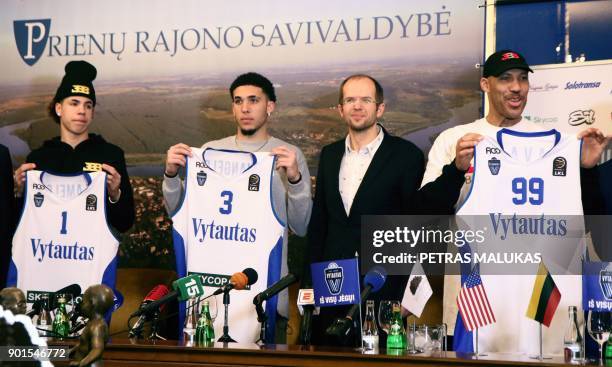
(77,81)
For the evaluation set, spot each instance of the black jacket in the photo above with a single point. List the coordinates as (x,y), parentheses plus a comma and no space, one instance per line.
(59,157)
(390,186)
(7,211)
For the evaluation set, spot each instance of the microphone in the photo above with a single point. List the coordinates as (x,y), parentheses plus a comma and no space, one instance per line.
(158,292)
(72,289)
(341,327)
(183,289)
(275,288)
(239,281)
(305,303)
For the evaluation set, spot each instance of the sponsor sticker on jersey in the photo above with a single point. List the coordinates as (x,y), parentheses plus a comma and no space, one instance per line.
(38,199)
(254,182)
(201,176)
(91,203)
(494,166)
(559,166)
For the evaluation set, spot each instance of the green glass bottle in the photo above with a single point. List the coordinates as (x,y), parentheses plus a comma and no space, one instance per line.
(205,331)
(397,333)
(61,325)
(608,351)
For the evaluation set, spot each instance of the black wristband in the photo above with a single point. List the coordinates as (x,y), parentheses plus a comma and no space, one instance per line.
(168,176)
(297,181)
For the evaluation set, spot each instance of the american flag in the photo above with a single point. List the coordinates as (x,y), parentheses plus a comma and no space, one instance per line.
(473,303)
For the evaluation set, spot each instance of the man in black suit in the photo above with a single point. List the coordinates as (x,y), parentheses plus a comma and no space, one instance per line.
(7,211)
(370,172)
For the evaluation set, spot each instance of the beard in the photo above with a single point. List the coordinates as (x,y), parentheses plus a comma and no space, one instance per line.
(362,127)
(249,132)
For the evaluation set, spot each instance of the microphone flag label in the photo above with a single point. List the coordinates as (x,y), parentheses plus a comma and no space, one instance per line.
(336,282)
(597,286)
(189,287)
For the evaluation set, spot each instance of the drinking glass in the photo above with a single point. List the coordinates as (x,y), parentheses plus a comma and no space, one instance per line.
(598,326)
(385,314)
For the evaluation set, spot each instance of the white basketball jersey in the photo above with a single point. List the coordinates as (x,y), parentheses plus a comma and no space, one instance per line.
(63,237)
(521,175)
(225,224)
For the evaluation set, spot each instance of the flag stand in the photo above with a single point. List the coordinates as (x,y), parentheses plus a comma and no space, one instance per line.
(413,349)
(541,355)
(477,353)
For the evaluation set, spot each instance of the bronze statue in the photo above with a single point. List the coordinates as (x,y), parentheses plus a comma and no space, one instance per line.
(97,300)
(14,300)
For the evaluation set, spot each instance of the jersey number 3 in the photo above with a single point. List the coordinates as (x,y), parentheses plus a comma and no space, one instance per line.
(227,204)
(531,190)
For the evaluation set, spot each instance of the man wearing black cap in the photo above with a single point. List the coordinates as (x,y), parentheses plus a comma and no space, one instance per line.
(77,150)
(505,80)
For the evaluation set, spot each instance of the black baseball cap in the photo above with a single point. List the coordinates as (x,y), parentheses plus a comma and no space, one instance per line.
(504,60)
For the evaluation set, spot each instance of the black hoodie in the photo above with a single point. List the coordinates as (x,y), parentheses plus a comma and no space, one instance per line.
(58,157)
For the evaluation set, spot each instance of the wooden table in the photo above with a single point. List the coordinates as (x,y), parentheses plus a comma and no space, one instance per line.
(125,352)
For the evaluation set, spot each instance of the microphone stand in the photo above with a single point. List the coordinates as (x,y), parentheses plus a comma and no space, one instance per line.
(154,327)
(225,338)
(261,318)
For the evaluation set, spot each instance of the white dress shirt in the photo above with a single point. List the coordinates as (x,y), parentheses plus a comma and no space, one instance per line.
(354,166)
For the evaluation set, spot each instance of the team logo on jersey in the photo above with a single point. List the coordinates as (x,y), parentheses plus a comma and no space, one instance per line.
(334,275)
(201,176)
(559,166)
(605,282)
(494,166)
(38,199)
(254,182)
(92,167)
(91,203)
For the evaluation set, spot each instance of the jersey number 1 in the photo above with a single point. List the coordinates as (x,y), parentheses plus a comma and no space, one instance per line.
(64,218)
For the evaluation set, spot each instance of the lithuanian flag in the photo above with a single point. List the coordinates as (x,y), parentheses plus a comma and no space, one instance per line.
(545,297)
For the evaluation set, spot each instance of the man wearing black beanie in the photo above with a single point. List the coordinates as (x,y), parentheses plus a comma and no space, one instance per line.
(76,150)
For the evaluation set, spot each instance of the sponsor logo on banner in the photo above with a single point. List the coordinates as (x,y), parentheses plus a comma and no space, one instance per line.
(31,38)
(580,117)
(605,282)
(582,85)
(38,199)
(494,166)
(541,120)
(91,202)
(334,275)
(597,286)
(336,282)
(559,166)
(543,88)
